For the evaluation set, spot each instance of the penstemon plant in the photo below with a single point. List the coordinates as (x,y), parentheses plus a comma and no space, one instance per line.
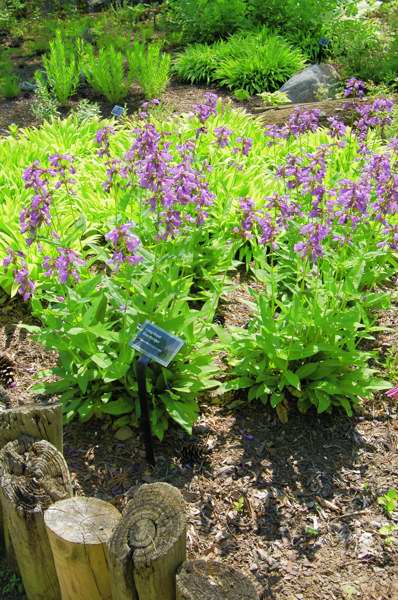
(127,225)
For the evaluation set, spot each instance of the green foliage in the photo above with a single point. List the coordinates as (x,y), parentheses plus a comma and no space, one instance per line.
(299,21)
(305,342)
(274,98)
(87,111)
(207,20)
(197,64)
(305,347)
(389,501)
(241,95)
(106,72)
(44,105)
(255,62)
(9,82)
(364,49)
(10,10)
(150,67)
(62,66)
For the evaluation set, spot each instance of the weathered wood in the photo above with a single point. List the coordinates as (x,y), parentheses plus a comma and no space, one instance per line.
(39,421)
(79,530)
(148,545)
(210,580)
(33,476)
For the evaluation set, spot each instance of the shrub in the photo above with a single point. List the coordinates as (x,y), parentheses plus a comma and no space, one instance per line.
(9,82)
(260,66)
(150,67)
(207,20)
(106,72)
(299,21)
(197,64)
(363,49)
(62,67)
(255,62)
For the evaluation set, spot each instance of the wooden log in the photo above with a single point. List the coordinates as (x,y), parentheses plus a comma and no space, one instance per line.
(149,544)
(39,421)
(211,580)
(79,530)
(34,475)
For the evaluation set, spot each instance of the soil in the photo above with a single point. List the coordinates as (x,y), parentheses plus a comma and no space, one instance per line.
(293,506)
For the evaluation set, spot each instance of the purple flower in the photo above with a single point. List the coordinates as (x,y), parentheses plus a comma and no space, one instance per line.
(125,244)
(311,246)
(26,286)
(248,218)
(355,88)
(207,108)
(61,166)
(103,140)
(246,145)
(38,213)
(222,136)
(301,121)
(64,266)
(337,128)
(377,114)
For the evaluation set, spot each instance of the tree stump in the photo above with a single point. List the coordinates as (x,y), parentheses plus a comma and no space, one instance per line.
(33,476)
(79,530)
(210,580)
(39,421)
(148,545)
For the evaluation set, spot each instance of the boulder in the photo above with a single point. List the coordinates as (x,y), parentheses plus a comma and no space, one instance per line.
(304,86)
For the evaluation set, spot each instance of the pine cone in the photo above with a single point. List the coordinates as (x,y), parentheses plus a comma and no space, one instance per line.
(5,398)
(7,371)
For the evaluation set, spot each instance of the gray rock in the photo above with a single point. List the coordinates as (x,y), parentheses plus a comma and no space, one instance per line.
(28,86)
(305,86)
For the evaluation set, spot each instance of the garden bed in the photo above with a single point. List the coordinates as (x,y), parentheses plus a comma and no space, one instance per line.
(294,506)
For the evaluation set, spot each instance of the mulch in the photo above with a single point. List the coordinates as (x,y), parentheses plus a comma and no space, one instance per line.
(293,506)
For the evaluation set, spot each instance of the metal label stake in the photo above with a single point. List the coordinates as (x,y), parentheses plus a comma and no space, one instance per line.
(141,367)
(159,345)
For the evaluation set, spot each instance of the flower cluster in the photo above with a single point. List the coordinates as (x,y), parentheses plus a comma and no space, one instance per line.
(355,88)
(207,108)
(179,191)
(103,140)
(222,135)
(64,266)
(125,244)
(299,122)
(375,114)
(26,286)
(62,168)
(38,213)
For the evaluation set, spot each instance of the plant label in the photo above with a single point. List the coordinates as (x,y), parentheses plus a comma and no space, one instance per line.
(156,343)
(117,111)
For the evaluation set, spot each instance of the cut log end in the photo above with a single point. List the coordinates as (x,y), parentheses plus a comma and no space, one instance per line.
(153,522)
(79,530)
(199,579)
(82,520)
(149,544)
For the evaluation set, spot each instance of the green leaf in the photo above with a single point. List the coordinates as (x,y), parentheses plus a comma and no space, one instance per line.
(121,406)
(292,379)
(184,413)
(102,360)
